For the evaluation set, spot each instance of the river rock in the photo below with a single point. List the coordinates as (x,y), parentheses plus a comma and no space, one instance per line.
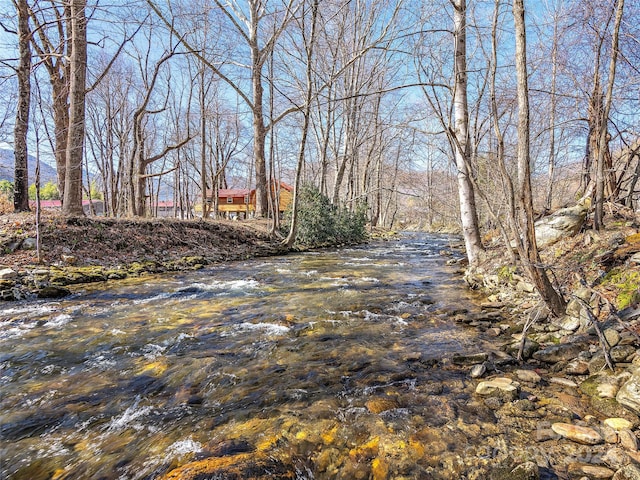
(29,244)
(469,359)
(621,353)
(565,382)
(612,336)
(583,435)
(628,440)
(629,393)
(502,387)
(381,404)
(52,291)
(8,274)
(618,423)
(567,322)
(558,353)
(628,472)
(478,371)
(529,376)
(577,367)
(616,458)
(588,470)
(563,223)
(530,347)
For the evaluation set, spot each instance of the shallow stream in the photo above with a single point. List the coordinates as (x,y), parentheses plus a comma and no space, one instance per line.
(313,365)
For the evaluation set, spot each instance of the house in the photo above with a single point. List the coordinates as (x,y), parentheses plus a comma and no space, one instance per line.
(87,205)
(241,202)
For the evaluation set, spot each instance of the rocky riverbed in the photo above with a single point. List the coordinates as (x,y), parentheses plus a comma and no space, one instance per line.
(568,414)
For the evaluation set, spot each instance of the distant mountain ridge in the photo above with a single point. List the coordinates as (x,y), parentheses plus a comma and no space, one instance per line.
(47,172)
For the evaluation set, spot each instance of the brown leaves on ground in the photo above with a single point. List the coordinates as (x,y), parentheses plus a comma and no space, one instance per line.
(110,242)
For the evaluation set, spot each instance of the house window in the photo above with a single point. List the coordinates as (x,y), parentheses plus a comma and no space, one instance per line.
(229,199)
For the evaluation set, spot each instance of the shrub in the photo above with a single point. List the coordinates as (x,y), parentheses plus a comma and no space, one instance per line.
(322,224)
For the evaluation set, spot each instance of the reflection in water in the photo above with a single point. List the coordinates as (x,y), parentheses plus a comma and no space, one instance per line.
(317,365)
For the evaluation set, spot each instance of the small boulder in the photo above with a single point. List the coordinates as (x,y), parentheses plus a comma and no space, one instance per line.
(577,367)
(612,336)
(563,223)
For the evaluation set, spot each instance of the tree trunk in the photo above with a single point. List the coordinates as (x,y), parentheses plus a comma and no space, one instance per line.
(552,121)
(21,127)
(291,237)
(468,212)
(601,172)
(527,247)
(259,129)
(72,204)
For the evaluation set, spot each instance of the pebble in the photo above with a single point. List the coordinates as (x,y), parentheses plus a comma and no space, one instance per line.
(478,371)
(584,435)
(612,336)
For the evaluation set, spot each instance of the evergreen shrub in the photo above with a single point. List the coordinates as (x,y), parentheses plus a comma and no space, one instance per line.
(321,224)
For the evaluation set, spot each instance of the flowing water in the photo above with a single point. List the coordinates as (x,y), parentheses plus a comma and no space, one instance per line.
(314,365)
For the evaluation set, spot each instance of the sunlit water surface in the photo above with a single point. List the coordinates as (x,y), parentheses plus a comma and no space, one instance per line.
(306,359)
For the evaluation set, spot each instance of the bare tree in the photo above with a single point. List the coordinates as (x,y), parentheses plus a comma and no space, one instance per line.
(72,200)
(21,126)
(602,133)
(526,244)
(248,25)
(468,212)
(309,44)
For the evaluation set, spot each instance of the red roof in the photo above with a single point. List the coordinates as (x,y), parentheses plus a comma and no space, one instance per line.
(58,203)
(233,192)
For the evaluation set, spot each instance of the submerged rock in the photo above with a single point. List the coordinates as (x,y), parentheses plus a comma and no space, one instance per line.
(502,387)
(583,435)
(53,292)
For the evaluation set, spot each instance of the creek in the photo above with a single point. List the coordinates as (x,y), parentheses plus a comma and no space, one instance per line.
(324,364)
